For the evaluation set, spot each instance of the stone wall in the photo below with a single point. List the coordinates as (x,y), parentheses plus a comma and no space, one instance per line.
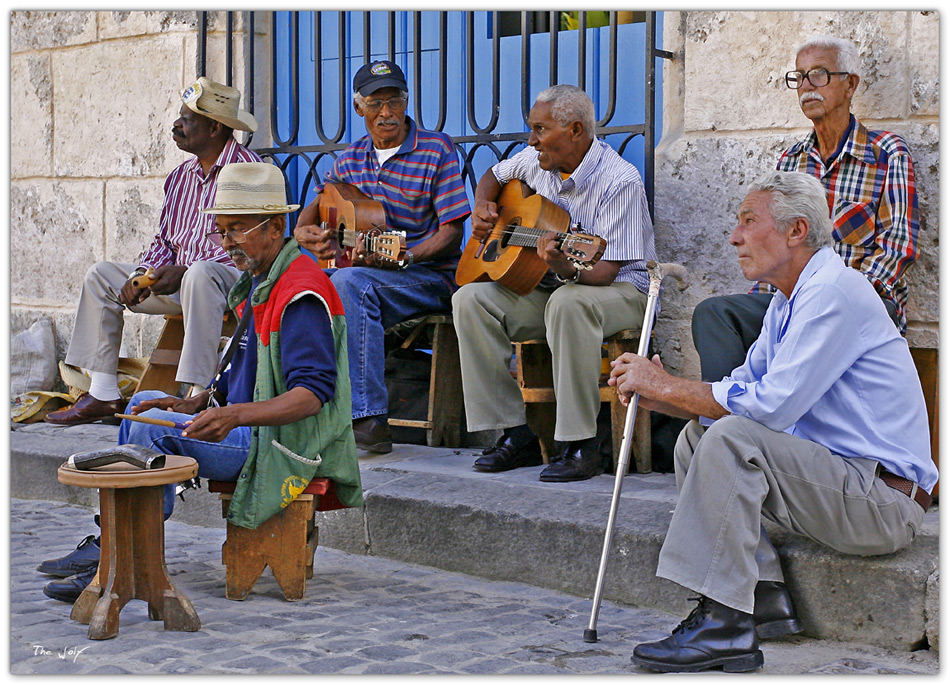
(93,98)
(728,115)
(95,93)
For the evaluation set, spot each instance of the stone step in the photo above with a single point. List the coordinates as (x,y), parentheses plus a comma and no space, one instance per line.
(427,506)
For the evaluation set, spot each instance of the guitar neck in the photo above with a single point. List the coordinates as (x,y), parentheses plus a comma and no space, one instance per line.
(527,236)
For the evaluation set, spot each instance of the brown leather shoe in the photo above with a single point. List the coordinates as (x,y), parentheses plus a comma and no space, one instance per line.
(86,410)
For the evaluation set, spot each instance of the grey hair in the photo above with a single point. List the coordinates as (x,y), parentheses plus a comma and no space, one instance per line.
(570,103)
(846,52)
(794,195)
(359,99)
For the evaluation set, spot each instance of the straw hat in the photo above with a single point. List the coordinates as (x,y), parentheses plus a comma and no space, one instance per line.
(219,102)
(250,188)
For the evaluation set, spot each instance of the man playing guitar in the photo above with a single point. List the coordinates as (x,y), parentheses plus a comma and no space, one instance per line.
(574,309)
(415,174)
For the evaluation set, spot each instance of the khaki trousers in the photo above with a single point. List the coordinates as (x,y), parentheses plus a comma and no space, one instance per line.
(574,319)
(201,300)
(738,471)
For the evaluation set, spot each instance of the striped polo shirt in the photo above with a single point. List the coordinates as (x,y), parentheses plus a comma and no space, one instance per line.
(605,195)
(420,186)
(182,227)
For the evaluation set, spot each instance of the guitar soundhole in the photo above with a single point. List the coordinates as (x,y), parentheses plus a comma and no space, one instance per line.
(491,252)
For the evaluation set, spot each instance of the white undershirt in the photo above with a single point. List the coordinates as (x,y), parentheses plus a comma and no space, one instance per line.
(383,155)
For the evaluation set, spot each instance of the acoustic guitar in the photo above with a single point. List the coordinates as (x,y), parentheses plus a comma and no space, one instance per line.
(351,214)
(509,256)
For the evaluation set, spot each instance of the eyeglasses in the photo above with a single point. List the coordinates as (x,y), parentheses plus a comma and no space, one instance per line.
(818,77)
(396,103)
(235,236)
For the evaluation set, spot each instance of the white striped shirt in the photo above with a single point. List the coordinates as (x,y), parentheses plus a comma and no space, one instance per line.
(181,236)
(605,194)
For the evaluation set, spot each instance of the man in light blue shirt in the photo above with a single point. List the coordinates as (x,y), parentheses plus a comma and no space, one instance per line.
(805,433)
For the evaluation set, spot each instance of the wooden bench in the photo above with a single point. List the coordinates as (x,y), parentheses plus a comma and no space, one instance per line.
(286,541)
(163,362)
(443,423)
(927,362)
(535,377)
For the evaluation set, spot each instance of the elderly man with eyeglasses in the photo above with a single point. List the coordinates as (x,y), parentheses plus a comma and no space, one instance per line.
(415,175)
(872,197)
(193,274)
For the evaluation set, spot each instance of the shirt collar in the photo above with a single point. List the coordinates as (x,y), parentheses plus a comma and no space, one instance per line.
(854,143)
(408,145)
(228,156)
(817,261)
(585,170)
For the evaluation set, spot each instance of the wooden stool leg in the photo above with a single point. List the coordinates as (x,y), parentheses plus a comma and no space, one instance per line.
(533,368)
(445,389)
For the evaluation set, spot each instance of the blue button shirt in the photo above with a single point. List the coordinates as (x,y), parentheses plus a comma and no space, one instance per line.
(829,366)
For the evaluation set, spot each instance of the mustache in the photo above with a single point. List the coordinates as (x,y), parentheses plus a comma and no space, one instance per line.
(388,122)
(237,252)
(811,95)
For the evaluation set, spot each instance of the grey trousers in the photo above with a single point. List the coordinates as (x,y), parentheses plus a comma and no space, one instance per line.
(201,300)
(738,471)
(574,319)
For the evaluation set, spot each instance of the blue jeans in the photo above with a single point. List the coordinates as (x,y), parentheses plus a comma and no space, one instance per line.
(374,300)
(216,460)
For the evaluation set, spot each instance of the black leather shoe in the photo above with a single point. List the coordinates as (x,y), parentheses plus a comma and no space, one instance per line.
(69,589)
(504,456)
(712,636)
(578,460)
(373,434)
(81,559)
(774,612)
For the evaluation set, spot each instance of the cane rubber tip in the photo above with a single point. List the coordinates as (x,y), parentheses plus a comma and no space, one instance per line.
(590,635)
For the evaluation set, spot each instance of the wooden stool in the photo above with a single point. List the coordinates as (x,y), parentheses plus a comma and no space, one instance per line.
(132,561)
(534,374)
(163,362)
(444,419)
(286,541)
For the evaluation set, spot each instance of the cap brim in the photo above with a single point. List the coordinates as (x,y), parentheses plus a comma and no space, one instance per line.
(383,83)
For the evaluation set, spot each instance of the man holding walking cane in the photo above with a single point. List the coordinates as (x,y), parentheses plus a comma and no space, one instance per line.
(803,433)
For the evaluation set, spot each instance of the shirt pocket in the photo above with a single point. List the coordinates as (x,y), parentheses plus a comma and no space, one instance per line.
(854,222)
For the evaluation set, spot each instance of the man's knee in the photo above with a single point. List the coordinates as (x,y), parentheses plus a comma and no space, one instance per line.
(99,272)
(568,307)
(203,276)
(708,312)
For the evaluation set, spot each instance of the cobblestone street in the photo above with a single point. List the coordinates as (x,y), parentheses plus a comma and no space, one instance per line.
(361,614)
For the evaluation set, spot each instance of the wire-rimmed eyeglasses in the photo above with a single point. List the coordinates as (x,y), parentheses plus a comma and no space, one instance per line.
(234,235)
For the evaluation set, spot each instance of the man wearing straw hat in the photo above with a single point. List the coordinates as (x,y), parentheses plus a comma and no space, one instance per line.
(193,274)
(279,414)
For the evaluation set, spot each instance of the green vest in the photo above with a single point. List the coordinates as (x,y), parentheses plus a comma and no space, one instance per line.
(282,460)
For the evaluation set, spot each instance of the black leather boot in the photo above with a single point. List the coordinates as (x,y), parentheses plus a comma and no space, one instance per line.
(774,612)
(713,635)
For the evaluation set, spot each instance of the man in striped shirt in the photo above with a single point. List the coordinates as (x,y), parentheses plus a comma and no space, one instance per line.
(415,174)
(573,309)
(872,198)
(193,273)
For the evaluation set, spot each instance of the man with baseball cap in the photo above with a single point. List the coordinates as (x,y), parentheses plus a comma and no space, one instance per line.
(278,412)
(415,174)
(193,274)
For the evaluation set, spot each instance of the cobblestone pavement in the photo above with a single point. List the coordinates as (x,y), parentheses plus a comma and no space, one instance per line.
(361,614)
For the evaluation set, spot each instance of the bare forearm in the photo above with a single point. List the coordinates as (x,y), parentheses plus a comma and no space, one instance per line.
(444,242)
(293,405)
(308,215)
(487,188)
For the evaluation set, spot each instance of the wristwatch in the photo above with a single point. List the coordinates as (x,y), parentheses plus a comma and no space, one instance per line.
(572,279)
(138,272)
(407,260)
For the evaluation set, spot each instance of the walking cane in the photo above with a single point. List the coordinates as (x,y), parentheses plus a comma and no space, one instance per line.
(657,273)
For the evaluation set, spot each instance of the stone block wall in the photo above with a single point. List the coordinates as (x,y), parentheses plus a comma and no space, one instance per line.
(728,116)
(93,98)
(94,95)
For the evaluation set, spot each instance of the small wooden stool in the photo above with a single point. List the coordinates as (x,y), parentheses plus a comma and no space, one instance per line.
(132,561)
(163,362)
(444,420)
(286,541)
(535,377)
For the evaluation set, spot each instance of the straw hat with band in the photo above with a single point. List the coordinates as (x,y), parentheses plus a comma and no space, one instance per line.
(219,102)
(250,188)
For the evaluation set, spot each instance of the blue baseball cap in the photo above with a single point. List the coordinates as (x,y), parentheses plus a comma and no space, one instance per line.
(380,74)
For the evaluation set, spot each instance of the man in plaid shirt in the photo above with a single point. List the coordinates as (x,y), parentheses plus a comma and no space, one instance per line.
(872,198)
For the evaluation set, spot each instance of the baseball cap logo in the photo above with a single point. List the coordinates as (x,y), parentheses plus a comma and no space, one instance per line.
(380,68)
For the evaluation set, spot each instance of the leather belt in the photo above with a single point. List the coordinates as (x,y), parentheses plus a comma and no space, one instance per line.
(908,487)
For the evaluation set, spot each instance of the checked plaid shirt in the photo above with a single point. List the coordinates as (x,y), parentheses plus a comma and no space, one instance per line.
(873,202)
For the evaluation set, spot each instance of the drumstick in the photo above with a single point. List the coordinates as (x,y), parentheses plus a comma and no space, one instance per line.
(147,419)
